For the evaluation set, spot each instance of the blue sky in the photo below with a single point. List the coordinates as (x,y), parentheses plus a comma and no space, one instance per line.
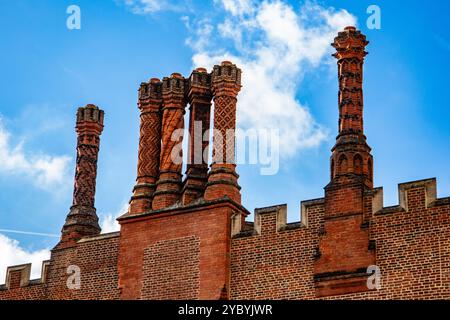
(48,71)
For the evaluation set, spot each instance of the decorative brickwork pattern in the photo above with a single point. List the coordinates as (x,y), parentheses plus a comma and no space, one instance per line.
(150,103)
(150,145)
(225,124)
(223,179)
(174,102)
(343,249)
(171,269)
(351,154)
(200,96)
(82,219)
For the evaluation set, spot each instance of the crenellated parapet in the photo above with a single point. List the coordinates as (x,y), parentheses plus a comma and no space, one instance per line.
(281,257)
(19,276)
(272,220)
(414,197)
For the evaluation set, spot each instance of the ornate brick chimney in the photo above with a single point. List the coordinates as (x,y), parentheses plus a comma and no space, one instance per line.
(351,158)
(200,96)
(150,102)
(223,179)
(82,219)
(168,190)
(344,252)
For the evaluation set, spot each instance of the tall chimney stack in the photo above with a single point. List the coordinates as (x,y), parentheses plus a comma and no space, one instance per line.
(150,103)
(168,188)
(199,96)
(223,179)
(82,219)
(345,250)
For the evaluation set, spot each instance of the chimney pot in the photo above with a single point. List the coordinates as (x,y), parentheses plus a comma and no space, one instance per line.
(203,70)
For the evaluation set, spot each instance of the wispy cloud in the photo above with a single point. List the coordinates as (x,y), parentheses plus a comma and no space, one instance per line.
(275,46)
(13,254)
(152,6)
(45,171)
(31,233)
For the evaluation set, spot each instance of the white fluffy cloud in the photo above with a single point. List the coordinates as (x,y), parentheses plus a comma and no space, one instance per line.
(13,254)
(109,222)
(44,170)
(237,7)
(275,46)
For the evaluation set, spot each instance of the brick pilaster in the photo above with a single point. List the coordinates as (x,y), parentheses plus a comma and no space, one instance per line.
(150,102)
(168,187)
(82,219)
(223,179)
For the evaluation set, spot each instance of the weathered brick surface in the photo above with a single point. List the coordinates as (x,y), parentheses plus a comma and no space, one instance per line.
(141,236)
(82,219)
(200,96)
(412,252)
(31,292)
(171,269)
(223,179)
(97,259)
(168,189)
(276,264)
(150,101)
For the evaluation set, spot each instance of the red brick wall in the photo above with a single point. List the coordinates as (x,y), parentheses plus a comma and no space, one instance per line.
(187,253)
(31,292)
(172,269)
(97,259)
(412,252)
(276,264)
(205,231)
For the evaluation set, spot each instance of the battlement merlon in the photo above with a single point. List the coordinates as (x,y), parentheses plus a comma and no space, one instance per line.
(413,195)
(19,276)
(281,224)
